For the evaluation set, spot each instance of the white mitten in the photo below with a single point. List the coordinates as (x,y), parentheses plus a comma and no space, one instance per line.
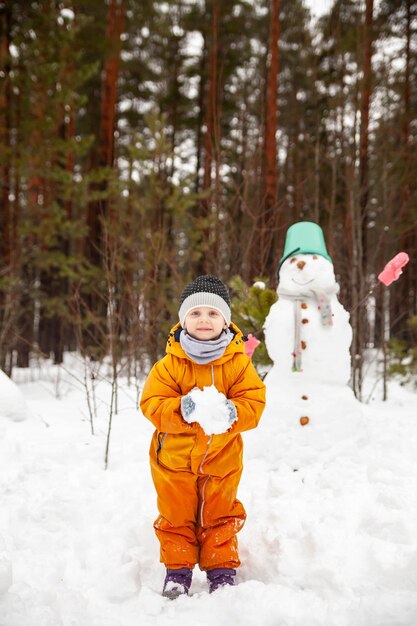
(213,411)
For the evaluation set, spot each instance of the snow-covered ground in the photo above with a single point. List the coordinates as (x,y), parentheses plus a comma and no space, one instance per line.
(331,544)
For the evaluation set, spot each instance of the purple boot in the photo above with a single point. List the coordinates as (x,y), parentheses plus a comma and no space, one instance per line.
(219,577)
(177,582)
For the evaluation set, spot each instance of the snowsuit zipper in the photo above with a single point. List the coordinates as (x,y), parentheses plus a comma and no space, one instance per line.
(200,469)
(204,487)
(203,502)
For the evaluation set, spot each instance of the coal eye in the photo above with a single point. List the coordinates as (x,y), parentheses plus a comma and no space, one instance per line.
(293,260)
(315,257)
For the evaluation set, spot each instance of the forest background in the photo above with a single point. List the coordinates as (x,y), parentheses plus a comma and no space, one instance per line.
(143,143)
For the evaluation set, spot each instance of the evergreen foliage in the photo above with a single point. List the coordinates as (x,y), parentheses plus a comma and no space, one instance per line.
(250,307)
(403,358)
(113,196)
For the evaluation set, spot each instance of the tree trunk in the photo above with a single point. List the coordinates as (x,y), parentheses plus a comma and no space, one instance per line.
(5,109)
(270,221)
(209,140)
(7,247)
(360,328)
(101,209)
(105,150)
(364,129)
(406,296)
(200,117)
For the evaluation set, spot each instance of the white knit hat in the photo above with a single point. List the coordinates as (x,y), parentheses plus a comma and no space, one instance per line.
(205,291)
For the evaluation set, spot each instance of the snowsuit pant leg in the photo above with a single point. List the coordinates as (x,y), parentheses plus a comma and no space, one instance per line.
(175,526)
(221,516)
(199,514)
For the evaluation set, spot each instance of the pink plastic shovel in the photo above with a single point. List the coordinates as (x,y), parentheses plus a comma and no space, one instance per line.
(393,270)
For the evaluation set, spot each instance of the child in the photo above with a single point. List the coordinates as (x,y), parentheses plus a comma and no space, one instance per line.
(200,397)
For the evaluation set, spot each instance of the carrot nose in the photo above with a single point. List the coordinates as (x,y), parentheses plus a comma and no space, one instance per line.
(301,264)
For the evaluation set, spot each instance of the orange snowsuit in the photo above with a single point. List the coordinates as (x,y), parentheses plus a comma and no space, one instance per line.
(196,476)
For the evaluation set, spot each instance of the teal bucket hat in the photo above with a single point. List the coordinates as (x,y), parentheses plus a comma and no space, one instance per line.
(304,238)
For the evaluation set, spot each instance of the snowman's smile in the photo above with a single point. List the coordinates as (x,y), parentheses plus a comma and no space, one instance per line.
(302,284)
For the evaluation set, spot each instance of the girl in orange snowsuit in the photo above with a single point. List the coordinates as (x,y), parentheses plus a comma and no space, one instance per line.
(197,473)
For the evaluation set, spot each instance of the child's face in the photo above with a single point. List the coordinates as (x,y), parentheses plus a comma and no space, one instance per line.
(204,322)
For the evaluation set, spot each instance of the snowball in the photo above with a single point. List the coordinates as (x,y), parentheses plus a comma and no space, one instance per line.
(211,410)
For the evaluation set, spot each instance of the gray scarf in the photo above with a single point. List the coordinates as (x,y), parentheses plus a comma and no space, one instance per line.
(203,352)
(323,301)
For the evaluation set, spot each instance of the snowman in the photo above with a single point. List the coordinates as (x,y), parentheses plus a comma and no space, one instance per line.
(308,335)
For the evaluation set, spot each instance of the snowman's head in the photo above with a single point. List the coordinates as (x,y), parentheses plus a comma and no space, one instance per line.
(303,273)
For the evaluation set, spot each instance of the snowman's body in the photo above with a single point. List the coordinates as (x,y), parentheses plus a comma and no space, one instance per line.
(309,397)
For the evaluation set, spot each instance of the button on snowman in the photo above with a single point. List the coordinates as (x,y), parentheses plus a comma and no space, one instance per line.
(308,335)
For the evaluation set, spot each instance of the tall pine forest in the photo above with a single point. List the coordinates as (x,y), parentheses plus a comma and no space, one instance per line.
(143,143)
